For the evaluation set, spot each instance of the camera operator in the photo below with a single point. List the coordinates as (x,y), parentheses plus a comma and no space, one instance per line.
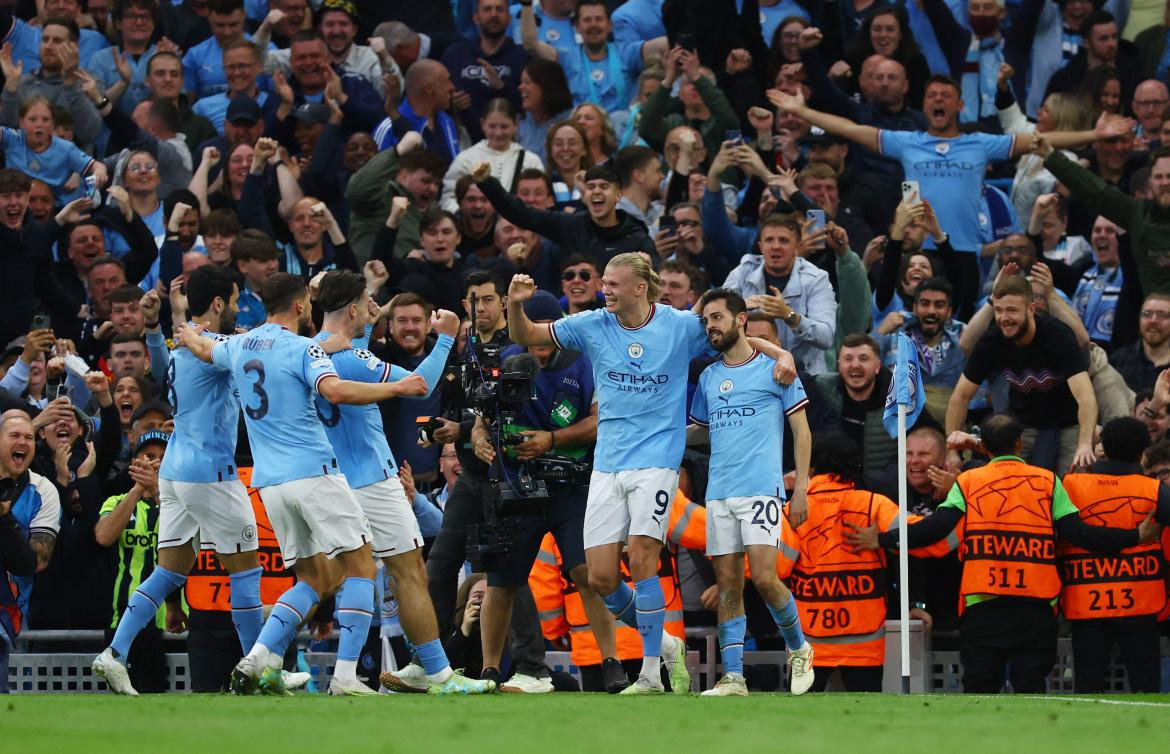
(465,503)
(560,422)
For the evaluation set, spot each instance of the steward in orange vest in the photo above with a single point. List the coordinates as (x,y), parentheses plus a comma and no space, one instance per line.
(1115,598)
(1004,518)
(562,611)
(213,648)
(841,593)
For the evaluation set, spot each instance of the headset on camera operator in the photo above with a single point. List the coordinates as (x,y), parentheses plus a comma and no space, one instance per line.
(548,438)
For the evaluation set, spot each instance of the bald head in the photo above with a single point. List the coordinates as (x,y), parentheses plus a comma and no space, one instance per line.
(865,77)
(428,85)
(890,84)
(1149,102)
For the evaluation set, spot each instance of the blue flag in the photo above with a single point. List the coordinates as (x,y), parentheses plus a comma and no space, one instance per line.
(905,387)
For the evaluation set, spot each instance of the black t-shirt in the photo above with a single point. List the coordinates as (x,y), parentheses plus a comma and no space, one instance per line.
(1037,374)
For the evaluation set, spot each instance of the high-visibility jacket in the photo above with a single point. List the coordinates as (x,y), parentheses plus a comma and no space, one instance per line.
(841,595)
(1164,613)
(1127,584)
(209,585)
(559,603)
(1006,539)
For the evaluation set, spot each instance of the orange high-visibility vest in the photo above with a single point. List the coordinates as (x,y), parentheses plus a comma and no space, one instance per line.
(841,595)
(209,585)
(562,611)
(1127,584)
(1164,613)
(1006,540)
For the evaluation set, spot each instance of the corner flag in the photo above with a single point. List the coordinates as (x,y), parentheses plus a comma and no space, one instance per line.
(905,387)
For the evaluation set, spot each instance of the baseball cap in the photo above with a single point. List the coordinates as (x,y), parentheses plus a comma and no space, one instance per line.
(243,108)
(312,112)
(542,307)
(152,407)
(818,135)
(154,435)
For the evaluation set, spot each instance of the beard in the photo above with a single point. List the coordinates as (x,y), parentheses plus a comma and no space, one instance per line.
(726,342)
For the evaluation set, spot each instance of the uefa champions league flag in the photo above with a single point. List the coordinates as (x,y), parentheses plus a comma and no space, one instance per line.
(904,404)
(905,387)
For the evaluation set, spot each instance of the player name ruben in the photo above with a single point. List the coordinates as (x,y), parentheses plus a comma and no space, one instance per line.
(831,587)
(1026,547)
(1096,570)
(258,344)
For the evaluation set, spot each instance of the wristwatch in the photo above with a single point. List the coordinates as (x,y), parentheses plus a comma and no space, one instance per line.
(105,101)
(791,318)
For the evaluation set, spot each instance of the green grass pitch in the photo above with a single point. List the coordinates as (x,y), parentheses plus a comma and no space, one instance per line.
(567,723)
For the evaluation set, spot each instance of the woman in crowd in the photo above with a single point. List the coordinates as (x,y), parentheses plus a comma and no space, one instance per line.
(599,134)
(545,100)
(498,147)
(567,156)
(887,32)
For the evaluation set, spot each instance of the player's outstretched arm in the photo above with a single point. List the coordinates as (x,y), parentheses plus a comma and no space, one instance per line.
(522,330)
(785,371)
(337,390)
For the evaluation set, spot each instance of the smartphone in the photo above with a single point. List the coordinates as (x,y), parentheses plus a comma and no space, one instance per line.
(41,322)
(910,192)
(91,190)
(668,226)
(686,41)
(734,135)
(818,220)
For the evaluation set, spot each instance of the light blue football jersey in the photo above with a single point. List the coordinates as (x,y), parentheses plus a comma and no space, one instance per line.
(207,411)
(356,432)
(277,373)
(640,375)
(744,410)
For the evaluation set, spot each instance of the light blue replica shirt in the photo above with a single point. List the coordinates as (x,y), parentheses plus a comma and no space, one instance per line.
(207,409)
(950,172)
(640,375)
(276,373)
(356,432)
(744,410)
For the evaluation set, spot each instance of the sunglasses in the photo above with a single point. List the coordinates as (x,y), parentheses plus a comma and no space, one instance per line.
(585,275)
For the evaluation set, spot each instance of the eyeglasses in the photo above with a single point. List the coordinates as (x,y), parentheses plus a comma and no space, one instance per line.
(143,167)
(687,223)
(1162,474)
(585,275)
(1152,314)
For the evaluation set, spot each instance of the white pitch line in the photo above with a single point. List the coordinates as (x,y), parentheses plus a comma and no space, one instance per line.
(1058,698)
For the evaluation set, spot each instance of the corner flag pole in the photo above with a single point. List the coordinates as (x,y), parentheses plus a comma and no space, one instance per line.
(903,556)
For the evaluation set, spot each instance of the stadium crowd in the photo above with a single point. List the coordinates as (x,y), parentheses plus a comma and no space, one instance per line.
(989,180)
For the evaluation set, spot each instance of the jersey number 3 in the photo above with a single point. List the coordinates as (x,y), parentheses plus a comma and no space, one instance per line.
(256,367)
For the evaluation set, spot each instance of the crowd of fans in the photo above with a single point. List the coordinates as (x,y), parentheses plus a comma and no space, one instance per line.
(991,180)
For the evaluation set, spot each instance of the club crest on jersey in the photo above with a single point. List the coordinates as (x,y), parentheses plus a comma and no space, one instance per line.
(942,147)
(635,350)
(726,386)
(248,533)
